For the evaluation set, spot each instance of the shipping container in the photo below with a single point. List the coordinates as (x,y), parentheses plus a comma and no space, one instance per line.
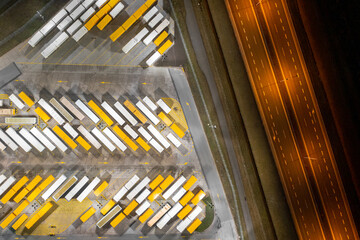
(163,106)
(198,197)
(61,110)
(140,11)
(156,145)
(86,15)
(166,183)
(174,187)
(143,144)
(88,189)
(87,3)
(7,140)
(156,20)
(138,188)
(61,26)
(38,215)
(117,220)
(31,139)
(49,50)
(59,16)
(18,103)
(100,113)
(87,111)
(51,111)
(19,222)
(89,137)
(72,108)
(153,58)
(165,47)
(163,221)
(65,188)
(161,38)
(194,226)
(130,131)
(47,27)
(19,140)
(186,198)
(80,33)
(35,39)
(145,133)
(74,27)
(116,10)
(118,32)
(162,26)
(132,182)
(55,139)
(72,5)
(100,3)
(147,112)
(120,194)
(71,130)
(87,214)
(42,139)
(103,139)
(129,45)
(40,188)
(158,215)
(54,187)
(114,139)
(154,183)
(189,183)
(184,212)
(77,12)
(145,205)
(138,37)
(197,210)
(77,188)
(183,224)
(113,113)
(64,137)
(104,22)
(112,3)
(150,37)
(174,140)
(150,13)
(179,194)
(158,136)
(110,215)
(146,215)
(129,208)
(83,143)
(150,103)
(129,22)
(143,195)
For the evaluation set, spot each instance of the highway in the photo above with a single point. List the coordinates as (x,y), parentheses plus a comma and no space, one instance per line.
(292,120)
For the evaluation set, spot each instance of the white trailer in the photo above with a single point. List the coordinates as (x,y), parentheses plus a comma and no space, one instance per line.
(150,37)
(113,113)
(65,23)
(87,111)
(54,187)
(179,195)
(42,139)
(89,137)
(116,10)
(129,45)
(35,39)
(153,58)
(138,188)
(86,15)
(5,138)
(114,139)
(18,103)
(72,108)
(72,5)
(143,195)
(19,140)
(163,106)
(158,136)
(103,139)
(31,139)
(61,110)
(61,39)
(88,3)
(183,224)
(174,210)
(132,182)
(143,207)
(49,50)
(6,184)
(77,188)
(88,189)
(100,3)
(174,187)
(141,34)
(131,132)
(2,146)
(120,194)
(174,140)
(47,27)
(194,213)
(2,178)
(147,112)
(71,130)
(51,111)
(59,16)
(77,12)
(155,20)
(80,33)
(55,139)
(145,133)
(150,14)
(150,103)
(162,26)
(156,145)
(125,113)
(163,221)
(75,26)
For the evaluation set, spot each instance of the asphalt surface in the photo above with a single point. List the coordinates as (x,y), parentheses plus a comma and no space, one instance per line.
(292,120)
(203,61)
(8,74)
(204,153)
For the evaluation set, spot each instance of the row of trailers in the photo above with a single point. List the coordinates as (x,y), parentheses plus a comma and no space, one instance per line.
(64,112)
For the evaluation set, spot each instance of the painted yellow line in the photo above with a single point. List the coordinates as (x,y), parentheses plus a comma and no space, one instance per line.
(81,51)
(138,54)
(126,54)
(94,50)
(66,53)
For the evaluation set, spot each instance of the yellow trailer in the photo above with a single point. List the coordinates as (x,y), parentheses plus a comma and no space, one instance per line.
(27,189)
(107,207)
(130,207)
(198,197)
(38,215)
(156,182)
(104,22)
(146,215)
(83,143)
(165,119)
(26,99)
(88,214)
(117,220)
(7,220)
(135,111)
(138,13)
(91,23)
(177,130)
(42,114)
(41,187)
(19,222)
(148,3)
(155,194)
(21,207)
(124,137)
(165,47)
(64,137)
(100,112)
(14,189)
(186,198)
(118,32)
(184,212)
(112,3)
(166,182)
(194,226)
(103,11)
(189,183)
(143,144)
(161,38)
(101,188)
(129,22)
